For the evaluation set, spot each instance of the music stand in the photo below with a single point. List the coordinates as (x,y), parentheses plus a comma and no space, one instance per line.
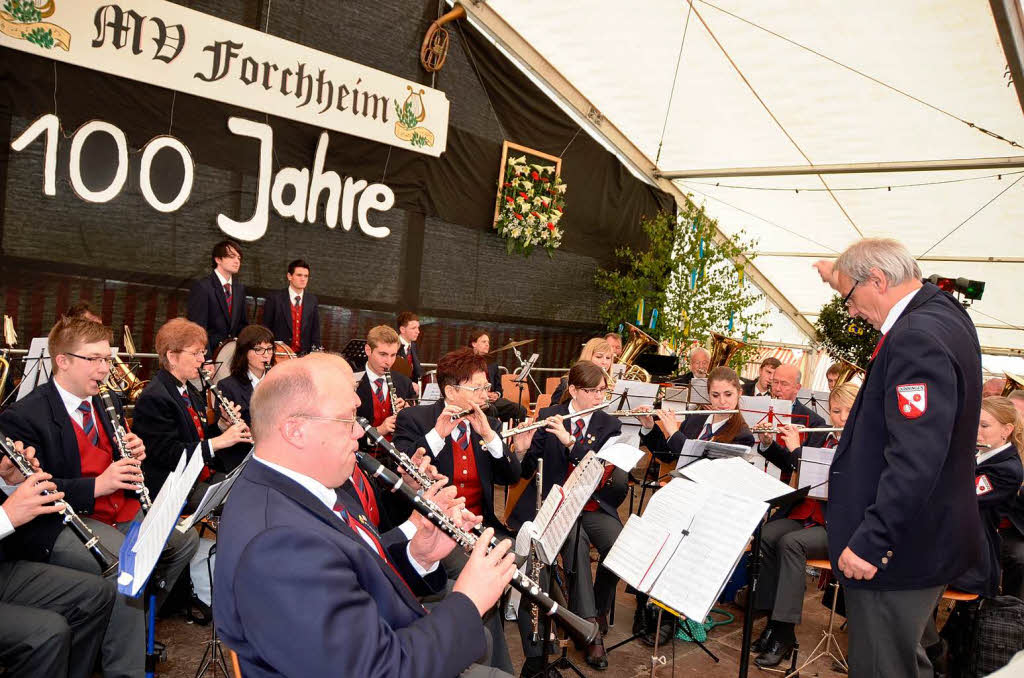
(523,374)
(355,353)
(754,573)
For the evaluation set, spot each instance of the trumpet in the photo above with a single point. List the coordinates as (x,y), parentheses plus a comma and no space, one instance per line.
(799,429)
(122,445)
(523,428)
(107,561)
(530,589)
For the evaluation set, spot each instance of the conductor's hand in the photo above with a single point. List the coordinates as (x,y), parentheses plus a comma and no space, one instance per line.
(123,474)
(487,574)
(444,424)
(28,501)
(855,567)
(10,474)
(827,270)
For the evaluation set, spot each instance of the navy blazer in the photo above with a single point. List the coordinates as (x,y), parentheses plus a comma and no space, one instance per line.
(413,356)
(162,420)
(557,458)
(403,388)
(238,390)
(336,603)
(411,429)
(494,376)
(780,455)
(277,317)
(208,307)
(40,420)
(899,488)
(997,482)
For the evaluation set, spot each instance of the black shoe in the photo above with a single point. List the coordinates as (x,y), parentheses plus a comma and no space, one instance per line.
(668,628)
(763,641)
(596,656)
(198,612)
(778,650)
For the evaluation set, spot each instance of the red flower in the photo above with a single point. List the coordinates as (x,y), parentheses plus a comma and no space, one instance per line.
(523,196)
(559,209)
(519,216)
(545,204)
(534,176)
(509,199)
(506,185)
(551,226)
(545,180)
(535,214)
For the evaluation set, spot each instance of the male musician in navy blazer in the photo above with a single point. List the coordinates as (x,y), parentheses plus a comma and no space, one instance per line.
(64,420)
(347,597)
(786,386)
(408,332)
(293,308)
(375,401)
(217,302)
(902,515)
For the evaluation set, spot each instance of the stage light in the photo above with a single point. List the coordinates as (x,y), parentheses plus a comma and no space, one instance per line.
(944,284)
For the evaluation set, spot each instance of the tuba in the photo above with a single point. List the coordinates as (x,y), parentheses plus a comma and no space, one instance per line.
(1013,382)
(639,342)
(848,371)
(723,348)
(10,338)
(121,378)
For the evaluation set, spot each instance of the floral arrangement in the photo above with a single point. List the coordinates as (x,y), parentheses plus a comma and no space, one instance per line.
(531,204)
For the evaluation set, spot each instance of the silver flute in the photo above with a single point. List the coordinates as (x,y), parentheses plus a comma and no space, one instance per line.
(523,428)
(530,589)
(818,429)
(122,446)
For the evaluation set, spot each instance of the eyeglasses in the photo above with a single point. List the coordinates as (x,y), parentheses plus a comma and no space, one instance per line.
(198,355)
(263,351)
(351,421)
(846,299)
(473,389)
(93,360)
(592,391)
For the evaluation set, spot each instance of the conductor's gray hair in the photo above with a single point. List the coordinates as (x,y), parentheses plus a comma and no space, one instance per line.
(885,254)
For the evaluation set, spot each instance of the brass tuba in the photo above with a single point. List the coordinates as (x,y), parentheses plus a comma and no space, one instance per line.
(723,348)
(848,371)
(639,342)
(1013,382)
(121,377)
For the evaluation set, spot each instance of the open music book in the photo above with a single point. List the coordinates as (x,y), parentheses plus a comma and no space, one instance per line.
(699,449)
(562,506)
(815,463)
(692,534)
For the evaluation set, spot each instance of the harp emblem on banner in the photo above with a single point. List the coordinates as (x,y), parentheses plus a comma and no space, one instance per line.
(410,115)
(23,20)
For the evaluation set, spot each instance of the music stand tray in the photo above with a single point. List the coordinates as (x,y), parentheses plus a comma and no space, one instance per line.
(355,354)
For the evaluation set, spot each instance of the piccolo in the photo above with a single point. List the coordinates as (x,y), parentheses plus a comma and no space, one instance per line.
(468,411)
(530,589)
(122,446)
(821,429)
(541,424)
(107,560)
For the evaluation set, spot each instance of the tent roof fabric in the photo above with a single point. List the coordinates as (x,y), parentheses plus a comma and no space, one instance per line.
(736,83)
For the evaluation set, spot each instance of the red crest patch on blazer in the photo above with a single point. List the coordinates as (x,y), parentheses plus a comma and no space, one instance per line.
(912,399)
(982,485)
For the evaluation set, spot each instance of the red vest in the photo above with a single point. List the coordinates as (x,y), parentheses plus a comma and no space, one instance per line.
(366,496)
(812,509)
(381,411)
(296,327)
(117,507)
(467,478)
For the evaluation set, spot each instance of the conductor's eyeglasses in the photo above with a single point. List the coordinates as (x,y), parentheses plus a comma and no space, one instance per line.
(846,299)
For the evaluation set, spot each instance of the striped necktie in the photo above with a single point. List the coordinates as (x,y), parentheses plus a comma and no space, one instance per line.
(88,423)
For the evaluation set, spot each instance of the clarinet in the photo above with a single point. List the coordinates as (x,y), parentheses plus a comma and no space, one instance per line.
(225,404)
(122,446)
(392,396)
(530,589)
(535,570)
(107,560)
(402,460)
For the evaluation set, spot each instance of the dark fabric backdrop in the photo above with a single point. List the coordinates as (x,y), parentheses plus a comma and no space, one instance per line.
(442,258)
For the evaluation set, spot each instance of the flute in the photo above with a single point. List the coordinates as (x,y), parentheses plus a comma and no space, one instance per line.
(468,411)
(107,560)
(820,429)
(531,590)
(122,447)
(541,424)
(678,413)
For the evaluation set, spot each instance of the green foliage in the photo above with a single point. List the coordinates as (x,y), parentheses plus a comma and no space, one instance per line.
(851,339)
(41,37)
(407,117)
(691,275)
(530,207)
(24,11)
(418,140)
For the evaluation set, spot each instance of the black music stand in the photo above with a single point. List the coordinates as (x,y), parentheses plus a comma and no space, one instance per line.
(355,353)
(754,572)
(520,380)
(562,661)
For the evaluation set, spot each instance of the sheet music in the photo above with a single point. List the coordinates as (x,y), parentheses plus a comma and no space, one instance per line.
(815,400)
(699,391)
(815,463)
(736,476)
(577,491)
(637,393)
(621,455)
(431,394)
(37,366)
(636,549)
(690,453)
(754,410)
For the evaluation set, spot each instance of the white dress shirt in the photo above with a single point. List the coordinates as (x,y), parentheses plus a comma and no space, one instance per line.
(292,293)
(223,281)
(982,458)
(896,311)
(71,404)
(329,498)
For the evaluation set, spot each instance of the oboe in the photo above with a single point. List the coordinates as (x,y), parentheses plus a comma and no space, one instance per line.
(122,446)
(107,560)
(531,590)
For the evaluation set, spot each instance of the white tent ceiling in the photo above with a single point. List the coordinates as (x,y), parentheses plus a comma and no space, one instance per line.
(739,84)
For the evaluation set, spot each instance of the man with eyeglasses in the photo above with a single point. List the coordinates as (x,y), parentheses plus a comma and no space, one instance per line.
(374,395)
(64,420)
(902,513)
(786,386)
(217,302)
(347,596)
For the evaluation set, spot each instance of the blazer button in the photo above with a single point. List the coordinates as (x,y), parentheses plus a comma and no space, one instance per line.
(463,457)
(885,561)
(889,553)
(462,484)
